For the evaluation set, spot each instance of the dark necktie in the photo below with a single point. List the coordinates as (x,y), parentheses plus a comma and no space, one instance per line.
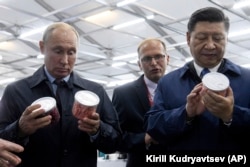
(204,72)
(60,85)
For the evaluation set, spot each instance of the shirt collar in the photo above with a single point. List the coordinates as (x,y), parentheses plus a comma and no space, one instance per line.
(150,85)
(51,78)
(198,68)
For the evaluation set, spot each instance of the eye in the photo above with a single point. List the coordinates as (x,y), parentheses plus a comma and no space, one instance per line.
(72,52)
(201,37)
(218,37)
(58,51)
(159,56)
(146,59)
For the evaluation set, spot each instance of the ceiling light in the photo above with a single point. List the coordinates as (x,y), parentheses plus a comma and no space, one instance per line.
(40,56)
(32,32)
(119,26)
(133,61)
(188,59)
(98,81)
(7,80)
(241,4)
(239,33)
(120,82)
(99,18)
(130,23)
(93,54)
(125,56)
(245,65)
(119,64)
(150,17)
(125,2)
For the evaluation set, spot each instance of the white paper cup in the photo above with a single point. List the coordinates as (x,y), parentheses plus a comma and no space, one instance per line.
(85,104)
(216,82)
(49,105)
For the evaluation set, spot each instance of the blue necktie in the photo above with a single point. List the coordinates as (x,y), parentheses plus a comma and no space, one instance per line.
(204,72)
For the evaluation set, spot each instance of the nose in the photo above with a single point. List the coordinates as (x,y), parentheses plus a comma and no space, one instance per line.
(64,59)
(153,61)
(210,44)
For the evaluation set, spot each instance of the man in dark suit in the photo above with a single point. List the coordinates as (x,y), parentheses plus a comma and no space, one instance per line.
(134,99)
(71,141)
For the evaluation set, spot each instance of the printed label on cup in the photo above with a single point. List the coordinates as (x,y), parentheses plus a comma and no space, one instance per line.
(215,81)
(49,105)
(85,104)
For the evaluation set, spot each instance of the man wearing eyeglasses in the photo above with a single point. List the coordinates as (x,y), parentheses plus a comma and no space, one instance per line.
(134,99)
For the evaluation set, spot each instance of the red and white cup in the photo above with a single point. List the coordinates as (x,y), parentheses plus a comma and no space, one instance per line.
(85,104)
(216,82)
(49,105)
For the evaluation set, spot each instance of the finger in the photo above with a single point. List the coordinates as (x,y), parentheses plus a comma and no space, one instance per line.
(94,116)
(12,159)
(37,113)
(91,121)
(3,163)
(43,121)
(86,126)
(14,147)
(229,92)
(9,146)
(30,109)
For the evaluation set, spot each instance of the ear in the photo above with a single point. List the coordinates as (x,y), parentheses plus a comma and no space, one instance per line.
(41,45)
(167,59)
(139,64)
(188,36)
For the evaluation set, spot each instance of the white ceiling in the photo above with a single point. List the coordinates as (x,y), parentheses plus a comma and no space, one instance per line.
(101,45)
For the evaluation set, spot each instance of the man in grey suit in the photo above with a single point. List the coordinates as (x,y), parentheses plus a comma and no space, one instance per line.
(134,99)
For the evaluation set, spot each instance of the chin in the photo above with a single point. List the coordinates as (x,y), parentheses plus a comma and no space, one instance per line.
(155,78)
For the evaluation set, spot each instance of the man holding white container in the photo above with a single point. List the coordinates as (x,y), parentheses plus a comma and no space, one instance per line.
(188,115)
(67,141)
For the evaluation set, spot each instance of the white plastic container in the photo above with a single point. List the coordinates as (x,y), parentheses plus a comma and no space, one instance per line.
(85,104)
(49,105)
(216,82)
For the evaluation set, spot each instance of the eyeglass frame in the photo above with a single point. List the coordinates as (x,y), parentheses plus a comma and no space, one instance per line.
(148,59)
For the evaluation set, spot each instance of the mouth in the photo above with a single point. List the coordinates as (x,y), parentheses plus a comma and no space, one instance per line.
(62,70)
(209,54)
(155,70)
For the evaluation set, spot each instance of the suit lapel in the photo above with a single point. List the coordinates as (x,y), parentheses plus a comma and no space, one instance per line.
(142,93)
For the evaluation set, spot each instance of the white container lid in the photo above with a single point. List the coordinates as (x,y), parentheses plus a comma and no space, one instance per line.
(87,98)
(215,81)
(47,103)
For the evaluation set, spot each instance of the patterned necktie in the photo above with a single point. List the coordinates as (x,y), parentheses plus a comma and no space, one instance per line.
(204,72)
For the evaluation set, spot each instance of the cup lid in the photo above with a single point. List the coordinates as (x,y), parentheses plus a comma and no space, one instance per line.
(215,81)
(87,98)
(47,103)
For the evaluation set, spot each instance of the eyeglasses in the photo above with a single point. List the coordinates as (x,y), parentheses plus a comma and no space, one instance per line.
(148,59)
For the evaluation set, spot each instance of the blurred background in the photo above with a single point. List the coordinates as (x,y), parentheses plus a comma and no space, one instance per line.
(110,31)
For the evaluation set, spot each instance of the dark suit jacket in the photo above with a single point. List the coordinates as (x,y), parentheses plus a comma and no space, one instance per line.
(131,102)
(62,144)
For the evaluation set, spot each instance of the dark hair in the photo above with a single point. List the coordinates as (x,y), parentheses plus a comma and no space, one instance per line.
(209,14)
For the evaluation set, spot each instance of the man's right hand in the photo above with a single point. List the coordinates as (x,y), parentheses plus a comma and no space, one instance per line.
(149,140)
(7,158)
(31,120)
(194,104)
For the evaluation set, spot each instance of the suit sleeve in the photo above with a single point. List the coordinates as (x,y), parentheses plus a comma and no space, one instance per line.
(130,140)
